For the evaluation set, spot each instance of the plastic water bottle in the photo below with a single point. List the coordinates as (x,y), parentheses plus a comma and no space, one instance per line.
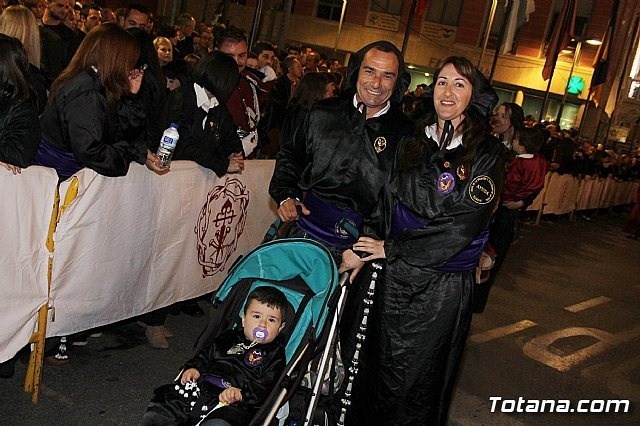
(168,145)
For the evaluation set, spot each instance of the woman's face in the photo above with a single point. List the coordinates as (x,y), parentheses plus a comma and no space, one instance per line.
(329,90)
(451,94)
(165,53)
(500,120)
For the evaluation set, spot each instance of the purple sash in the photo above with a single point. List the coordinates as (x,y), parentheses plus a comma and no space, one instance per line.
(216,381)
(466,260)
(402,219)
(323,223)
(49,156)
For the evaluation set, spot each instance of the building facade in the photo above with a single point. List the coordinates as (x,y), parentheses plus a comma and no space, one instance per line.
(461,27)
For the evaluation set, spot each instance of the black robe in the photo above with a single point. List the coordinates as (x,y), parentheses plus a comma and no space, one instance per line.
(421,315)
(332,154)
(255,372)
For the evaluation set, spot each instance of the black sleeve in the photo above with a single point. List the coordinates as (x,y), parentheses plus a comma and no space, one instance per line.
(212,146)
(452,222)
(291,158)
(87,119)
(20,135)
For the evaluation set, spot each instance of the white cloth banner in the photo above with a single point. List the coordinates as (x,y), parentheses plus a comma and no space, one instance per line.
(26,210)
(129,245)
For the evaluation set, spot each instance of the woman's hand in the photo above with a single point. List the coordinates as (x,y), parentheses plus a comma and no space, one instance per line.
(13,169)
(351,262)
(153,164)
(374,247)
(230,395)
(135,80)
(236,163)
(189,375)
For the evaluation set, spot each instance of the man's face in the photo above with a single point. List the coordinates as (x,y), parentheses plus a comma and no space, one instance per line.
(500,120)
(58,9)
(94,18)
(206,40)
(294,52)
(265,58)
(376,79)
(237,50)
(134,19)
(296,69)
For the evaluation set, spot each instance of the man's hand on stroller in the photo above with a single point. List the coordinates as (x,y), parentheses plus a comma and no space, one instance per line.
(230,395)
(351,262)
(375,248)
(290,210)
(189,375)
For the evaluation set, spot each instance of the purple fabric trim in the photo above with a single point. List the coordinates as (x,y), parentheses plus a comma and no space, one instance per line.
(49,156)
(403,219)
(323,222)
(468,258)
(216,381)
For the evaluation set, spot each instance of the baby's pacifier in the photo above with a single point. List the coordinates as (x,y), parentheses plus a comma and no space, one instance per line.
(260,333)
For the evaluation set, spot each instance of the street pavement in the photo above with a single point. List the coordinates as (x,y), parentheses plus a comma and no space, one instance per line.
(562,325)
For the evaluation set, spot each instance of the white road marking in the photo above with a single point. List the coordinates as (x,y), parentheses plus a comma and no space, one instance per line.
(499,332)
(587,304)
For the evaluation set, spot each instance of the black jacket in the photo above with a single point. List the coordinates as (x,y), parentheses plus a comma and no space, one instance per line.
(77,120)
(19,132)
(210,147)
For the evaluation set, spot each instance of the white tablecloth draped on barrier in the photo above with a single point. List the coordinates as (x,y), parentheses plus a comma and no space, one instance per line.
(27,200)
(126,246)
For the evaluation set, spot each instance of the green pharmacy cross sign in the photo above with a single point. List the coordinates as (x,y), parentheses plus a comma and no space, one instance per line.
(576,85)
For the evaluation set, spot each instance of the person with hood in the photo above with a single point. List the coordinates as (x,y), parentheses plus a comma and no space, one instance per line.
(440,199)
(333,166)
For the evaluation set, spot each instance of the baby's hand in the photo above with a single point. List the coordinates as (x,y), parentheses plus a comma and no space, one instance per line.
(189,375)
(230,395)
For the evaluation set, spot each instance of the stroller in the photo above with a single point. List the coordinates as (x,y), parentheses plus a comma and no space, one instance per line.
(307,275)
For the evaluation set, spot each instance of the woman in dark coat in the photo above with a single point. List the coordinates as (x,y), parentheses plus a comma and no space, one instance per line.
(94,118)
(19,127)
(440,200)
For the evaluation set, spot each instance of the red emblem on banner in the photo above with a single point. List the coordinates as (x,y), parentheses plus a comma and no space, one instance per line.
(220,224)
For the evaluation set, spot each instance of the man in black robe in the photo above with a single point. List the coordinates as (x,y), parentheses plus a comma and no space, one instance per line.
(333,165)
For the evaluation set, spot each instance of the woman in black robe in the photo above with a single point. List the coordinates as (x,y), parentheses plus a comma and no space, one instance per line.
(440,200)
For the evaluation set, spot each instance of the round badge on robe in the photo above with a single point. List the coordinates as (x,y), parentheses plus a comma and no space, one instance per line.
(254,357)
(380,144)
(482,190)
(446,183)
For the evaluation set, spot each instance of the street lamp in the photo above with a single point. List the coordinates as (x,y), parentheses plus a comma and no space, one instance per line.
(593,41)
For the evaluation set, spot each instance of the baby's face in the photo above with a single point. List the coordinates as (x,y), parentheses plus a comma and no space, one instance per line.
(261,323)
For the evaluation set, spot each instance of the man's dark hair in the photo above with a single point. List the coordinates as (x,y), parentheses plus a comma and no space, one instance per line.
(262,46)
(168,31)
(232,34)
(531,139)
(295,48)
(85,9)
(288,63)
(252,55)
(218,73)
(270,296)
(183,19)
(136,6)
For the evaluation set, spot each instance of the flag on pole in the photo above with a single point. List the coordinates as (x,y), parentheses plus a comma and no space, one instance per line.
(601,61)
(422,7)
(562,34)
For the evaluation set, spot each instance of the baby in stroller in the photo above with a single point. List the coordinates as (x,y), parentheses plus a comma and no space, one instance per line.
(228,380)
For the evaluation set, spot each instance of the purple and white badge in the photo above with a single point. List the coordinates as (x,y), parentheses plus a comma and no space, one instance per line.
(446,183)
